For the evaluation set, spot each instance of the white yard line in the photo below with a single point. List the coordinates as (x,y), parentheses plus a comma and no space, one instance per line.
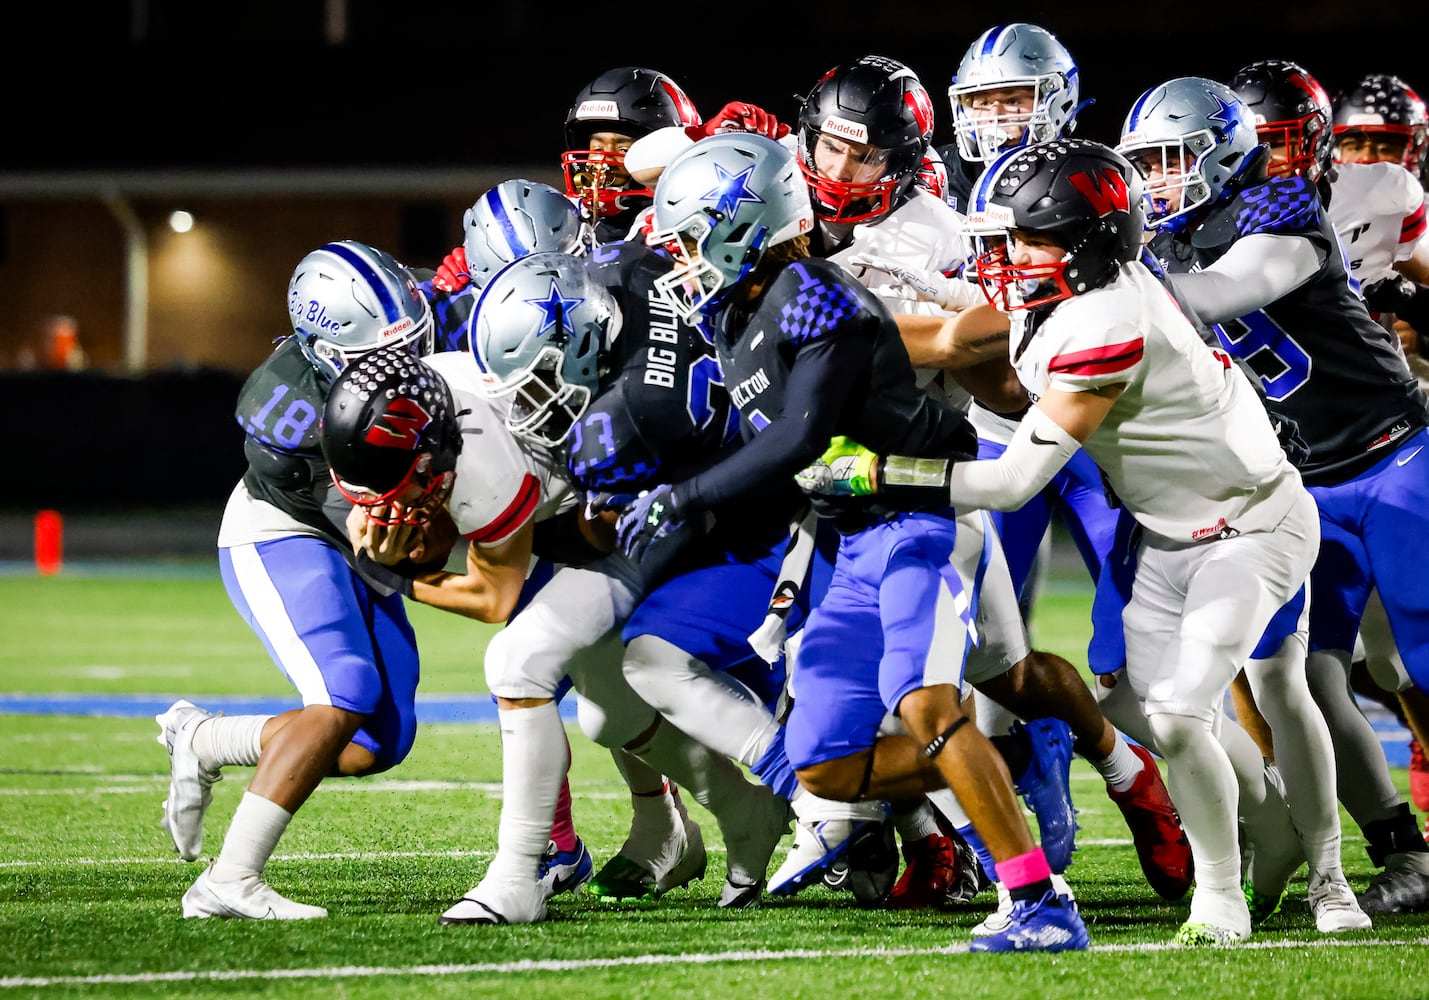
(630,961)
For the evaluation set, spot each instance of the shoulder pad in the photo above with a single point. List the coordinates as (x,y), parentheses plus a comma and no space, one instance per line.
(1281,204)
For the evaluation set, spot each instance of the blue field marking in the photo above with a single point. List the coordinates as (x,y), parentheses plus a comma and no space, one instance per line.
(471,708)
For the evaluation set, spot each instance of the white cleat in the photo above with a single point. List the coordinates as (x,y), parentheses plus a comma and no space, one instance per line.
(1335,908)
(509,902)
(817,845)
(750,846)
(190,783)
(249,898)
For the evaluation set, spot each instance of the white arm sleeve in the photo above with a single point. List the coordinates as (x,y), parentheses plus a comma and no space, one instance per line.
(1038,449)
(652,153)
(1256,271)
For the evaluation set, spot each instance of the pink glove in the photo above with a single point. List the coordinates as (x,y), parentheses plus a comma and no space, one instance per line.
(737,116)
(452,275)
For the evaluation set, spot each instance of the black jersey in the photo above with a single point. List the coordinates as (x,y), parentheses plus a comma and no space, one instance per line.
(1324,363)
(279,409)
(660,411)
(821,356)
(962,176)
(450,312)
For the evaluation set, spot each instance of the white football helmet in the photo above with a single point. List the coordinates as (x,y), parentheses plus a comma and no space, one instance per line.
(347,298)
(1014,55)
(719,206)
(538,334)
(1190,136)
(518,217)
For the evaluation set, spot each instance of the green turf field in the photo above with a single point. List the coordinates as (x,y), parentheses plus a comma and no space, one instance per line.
(90,887)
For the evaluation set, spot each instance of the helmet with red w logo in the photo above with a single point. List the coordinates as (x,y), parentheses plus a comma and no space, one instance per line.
(390,436)
(1078,194)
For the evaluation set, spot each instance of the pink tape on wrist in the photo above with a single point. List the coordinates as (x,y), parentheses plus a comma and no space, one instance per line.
(1024,869)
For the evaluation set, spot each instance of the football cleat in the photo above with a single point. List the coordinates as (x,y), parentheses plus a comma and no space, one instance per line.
(517,901)
(1155,825)
(749,846)
(817,846)
(644,869)
(190,783)
(872,863)
(1000,918)
(1334,906)
(249,898)
(1046,788)
(940,871)
(1200,935)
(1402,890)
(1051,923)
(565,871)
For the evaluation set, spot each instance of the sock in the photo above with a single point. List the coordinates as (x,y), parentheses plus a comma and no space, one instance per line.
(1204,786)
(1121,768)
(533,768)
(984,856)
(229,739)
(563,829)
(257,826)
(1362,779)
(915,820)
(1027,876)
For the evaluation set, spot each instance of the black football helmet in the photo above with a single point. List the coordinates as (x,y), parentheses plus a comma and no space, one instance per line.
(1080,194)
(873,102)
(390,423)
(631,101)
(1291,110)
(1382,105)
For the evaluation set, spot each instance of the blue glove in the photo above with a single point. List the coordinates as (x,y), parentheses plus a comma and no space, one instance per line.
(653,515)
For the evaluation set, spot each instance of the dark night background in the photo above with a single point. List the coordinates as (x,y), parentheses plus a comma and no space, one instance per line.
(165,83)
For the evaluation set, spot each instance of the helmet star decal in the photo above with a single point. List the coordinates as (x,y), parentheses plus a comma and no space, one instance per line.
(556,308)
(1224,114)
(731,190)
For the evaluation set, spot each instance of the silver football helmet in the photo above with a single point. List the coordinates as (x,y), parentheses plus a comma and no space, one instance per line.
(719,206)
(1013,55)
(347,298)
(538,334)
(1189,137)
(518,217)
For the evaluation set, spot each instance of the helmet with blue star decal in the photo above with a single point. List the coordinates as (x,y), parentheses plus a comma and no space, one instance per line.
(721,205)
(1190,138)
(538,332)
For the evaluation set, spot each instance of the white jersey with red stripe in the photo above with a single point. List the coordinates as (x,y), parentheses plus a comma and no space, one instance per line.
(1378,211)
(501,482)
(924,234)
(1188,447)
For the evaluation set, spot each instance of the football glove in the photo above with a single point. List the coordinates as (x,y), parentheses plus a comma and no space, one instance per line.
(739,116)
(1390,294)
(845,469)
(452,275)
(650,517)
(930,286)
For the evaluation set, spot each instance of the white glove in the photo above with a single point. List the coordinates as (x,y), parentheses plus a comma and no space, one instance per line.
(931,286)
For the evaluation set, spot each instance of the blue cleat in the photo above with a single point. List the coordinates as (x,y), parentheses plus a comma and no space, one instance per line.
(564,871)
(1052,923)
(1045,787)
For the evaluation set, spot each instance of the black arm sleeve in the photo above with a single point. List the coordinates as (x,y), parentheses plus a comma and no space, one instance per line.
(821,381)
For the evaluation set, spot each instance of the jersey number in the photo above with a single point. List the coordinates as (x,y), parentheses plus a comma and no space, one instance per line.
(1282,365)
(290,428)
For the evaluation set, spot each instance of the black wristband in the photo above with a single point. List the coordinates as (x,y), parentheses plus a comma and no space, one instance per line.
(384,576)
